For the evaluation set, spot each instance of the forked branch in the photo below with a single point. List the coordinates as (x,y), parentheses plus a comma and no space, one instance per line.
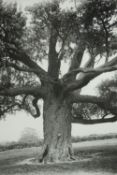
(89,74)
(90,70)
(32,65)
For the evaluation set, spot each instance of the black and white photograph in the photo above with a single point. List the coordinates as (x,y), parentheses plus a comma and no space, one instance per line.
(58,87)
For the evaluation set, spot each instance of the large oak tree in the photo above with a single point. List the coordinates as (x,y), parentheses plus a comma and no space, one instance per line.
(57,34)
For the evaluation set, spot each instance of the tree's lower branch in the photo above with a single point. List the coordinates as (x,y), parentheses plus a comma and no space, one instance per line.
(94,121)
(76,98)
(103,102)
(36,90)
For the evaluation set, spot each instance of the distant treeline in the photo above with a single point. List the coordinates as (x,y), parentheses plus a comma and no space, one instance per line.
(20,145)
(93,137)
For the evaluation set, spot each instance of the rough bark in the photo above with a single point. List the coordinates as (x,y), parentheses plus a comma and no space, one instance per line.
(57,131)
(53,67)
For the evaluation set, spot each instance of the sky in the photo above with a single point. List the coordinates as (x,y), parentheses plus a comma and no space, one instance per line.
(12,127)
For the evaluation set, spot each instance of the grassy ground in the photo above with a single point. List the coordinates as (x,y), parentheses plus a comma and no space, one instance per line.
(94,158)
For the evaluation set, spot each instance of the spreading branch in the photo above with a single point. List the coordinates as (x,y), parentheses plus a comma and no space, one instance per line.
(43,76)
(103,102)
(76,98)
(89,75)
(94,121)
(90,70)
(36,90)
(25,59)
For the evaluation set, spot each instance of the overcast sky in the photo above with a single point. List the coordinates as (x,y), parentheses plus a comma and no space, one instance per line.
(13,125)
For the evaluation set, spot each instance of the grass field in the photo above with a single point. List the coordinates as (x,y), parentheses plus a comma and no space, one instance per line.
(93,158)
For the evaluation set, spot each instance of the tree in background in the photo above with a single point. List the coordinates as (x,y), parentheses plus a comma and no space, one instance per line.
(29,135)
(12,25)
(57,34)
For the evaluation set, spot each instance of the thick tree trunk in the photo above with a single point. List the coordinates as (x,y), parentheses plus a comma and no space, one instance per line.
(57,131)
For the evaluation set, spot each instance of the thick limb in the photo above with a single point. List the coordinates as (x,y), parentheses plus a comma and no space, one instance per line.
(89,74)
(94,121)
(102,102)
(36,90)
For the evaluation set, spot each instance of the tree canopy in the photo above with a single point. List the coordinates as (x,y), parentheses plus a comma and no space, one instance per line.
(55,34)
